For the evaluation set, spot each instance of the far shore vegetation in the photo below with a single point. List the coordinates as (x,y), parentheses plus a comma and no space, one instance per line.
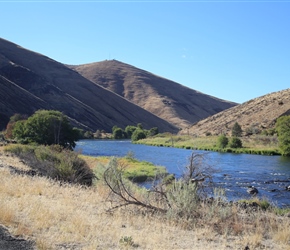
(255,144)
(275,141)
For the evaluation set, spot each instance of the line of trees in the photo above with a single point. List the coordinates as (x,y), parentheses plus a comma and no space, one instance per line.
(50,127)
(235,141)
(134,133)
(282,128)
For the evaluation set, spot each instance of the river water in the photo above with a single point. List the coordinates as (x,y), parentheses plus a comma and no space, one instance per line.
(234,172)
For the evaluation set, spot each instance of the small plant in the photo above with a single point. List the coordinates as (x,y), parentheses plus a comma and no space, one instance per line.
(130,156)
(126,241)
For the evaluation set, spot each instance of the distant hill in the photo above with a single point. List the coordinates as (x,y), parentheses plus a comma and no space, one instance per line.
(257,114)
(166,99)
(31,81)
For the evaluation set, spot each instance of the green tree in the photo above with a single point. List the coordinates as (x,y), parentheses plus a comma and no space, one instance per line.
(283,129)
(130,130)
(118,133)
(222,141)
(47,127)
(138,135)
(235,142)
(237,130)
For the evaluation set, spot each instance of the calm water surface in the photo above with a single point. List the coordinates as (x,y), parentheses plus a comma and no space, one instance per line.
(269,174)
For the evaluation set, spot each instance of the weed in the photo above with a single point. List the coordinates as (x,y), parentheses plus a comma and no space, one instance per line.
(126,241)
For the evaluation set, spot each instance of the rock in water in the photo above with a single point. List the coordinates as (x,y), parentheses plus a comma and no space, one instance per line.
(252,190)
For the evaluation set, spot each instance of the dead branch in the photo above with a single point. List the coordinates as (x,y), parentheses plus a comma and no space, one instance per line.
(121,188)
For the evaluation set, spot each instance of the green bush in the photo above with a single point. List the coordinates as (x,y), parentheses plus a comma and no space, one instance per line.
(283,129)
(235,142)
(138,135)
(222,141)
(54,162)
(129,130)
(118,133)
(237,130)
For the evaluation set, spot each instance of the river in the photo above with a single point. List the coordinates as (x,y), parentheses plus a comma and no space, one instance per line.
(235,172)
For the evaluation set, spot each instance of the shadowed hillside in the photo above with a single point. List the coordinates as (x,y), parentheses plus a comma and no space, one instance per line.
(169,100)
(257,114)
(30,81)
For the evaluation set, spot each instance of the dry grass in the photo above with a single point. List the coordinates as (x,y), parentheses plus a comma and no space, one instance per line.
(259,114)
(72,217)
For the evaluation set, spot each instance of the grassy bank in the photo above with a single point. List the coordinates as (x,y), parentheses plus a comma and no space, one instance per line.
(262,145)
(134,170)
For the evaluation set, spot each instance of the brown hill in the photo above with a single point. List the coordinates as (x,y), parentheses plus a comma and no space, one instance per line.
(257,114)
(169,100)
(30,81)
(14,99)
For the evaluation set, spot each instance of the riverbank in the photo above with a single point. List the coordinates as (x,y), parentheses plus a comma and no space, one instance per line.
(64,216)
(134,170)
(257,144)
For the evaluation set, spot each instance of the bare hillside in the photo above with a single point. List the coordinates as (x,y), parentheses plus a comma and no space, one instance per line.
(169,100)
(257,114)
(30,81)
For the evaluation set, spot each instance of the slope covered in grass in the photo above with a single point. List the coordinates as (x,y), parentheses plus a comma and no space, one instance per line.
(64,216)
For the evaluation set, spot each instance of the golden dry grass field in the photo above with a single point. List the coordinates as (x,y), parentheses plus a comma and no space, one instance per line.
(64,216)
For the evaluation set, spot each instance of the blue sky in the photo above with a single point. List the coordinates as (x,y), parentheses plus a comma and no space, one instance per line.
(233,50)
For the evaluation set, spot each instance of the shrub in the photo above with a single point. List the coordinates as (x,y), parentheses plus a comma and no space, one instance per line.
(222,141)
(237,130)
(252,130)
(235,143)
(73,169)
(54,162)
(118,133)
(138,135)
(130,130)
(283,129)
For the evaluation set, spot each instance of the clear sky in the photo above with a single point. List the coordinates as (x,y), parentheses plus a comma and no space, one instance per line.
(233,50)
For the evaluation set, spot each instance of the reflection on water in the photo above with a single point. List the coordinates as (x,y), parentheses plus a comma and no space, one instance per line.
(269,174)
